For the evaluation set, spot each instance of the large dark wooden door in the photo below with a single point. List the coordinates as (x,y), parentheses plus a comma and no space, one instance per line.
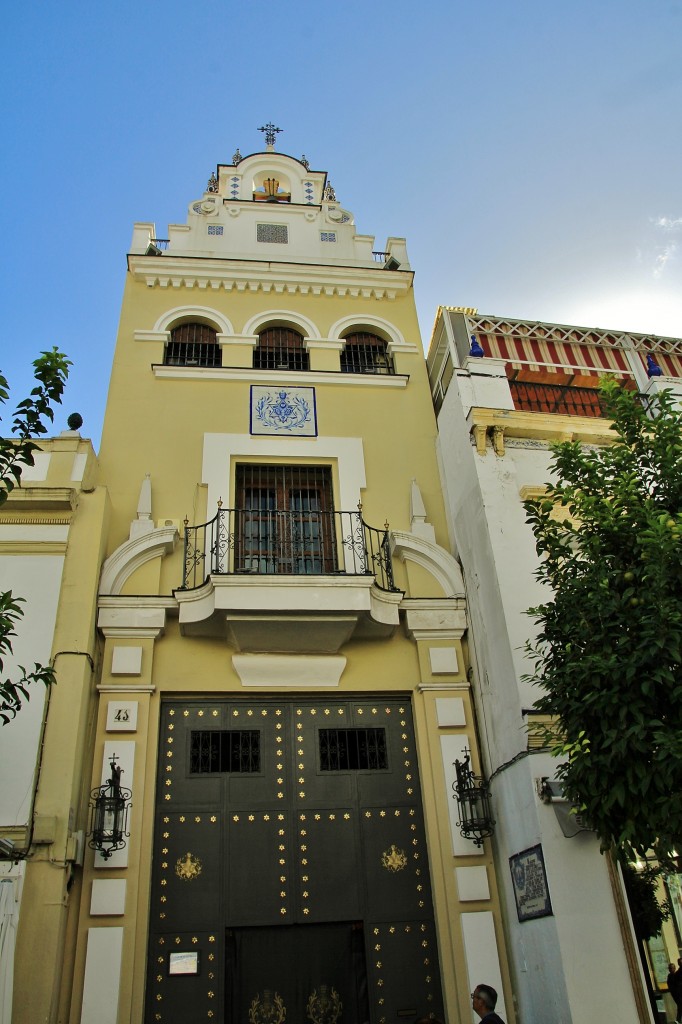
(285,829)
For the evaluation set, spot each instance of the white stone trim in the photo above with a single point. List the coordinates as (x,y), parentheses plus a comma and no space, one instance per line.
(481,955)
(395,338)
(102,976)
(171,316)
(434,618)
(264,276)
(154,336)
(221,450)
(132,617)
(450,713)
(443,661)
(290,670)
(225,340)
(126,661)
(472,883)
(262,319)
(125,688)
(329,344)
(123,562)
(108,897)
(331,378)
(432,557)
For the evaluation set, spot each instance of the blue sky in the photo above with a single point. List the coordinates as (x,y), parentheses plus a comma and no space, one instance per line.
(529,152)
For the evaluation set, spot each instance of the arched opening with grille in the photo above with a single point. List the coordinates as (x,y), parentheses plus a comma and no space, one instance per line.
(280,348)
(365,353)
(193,344)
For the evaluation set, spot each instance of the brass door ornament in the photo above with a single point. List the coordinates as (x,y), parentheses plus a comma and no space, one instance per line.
(325,1008)
(394,859)
(269,1010)
(188,867)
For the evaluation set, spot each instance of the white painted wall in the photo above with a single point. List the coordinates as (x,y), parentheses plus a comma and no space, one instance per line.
(37,578)
(569,967)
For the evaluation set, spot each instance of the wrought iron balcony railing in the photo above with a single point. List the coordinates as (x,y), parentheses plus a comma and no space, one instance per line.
(250,542)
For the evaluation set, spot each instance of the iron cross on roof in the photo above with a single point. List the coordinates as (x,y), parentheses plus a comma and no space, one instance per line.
(270,133)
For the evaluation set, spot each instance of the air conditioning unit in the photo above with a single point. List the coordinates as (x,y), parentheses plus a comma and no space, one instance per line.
(571,821)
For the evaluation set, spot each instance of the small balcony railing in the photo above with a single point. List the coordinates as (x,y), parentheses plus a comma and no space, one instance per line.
(562,399)
(258,542)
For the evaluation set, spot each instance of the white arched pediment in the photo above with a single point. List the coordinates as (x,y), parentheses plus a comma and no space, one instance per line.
(185,313)
(436,560)
(360,320)
(123,562)
(256,323)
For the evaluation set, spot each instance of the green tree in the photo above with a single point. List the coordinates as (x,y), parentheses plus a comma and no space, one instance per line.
(609,643)
(17,451)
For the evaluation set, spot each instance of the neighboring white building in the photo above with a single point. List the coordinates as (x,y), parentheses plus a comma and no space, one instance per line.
(497,414)
(55,512)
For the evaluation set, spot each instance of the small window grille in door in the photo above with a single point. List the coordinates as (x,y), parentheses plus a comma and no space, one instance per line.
(286,520)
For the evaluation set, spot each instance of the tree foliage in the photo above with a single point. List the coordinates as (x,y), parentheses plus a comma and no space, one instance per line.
(17,451)
(644,891)
(609,645)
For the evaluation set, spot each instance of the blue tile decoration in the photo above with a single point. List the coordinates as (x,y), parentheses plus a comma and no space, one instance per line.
(288,411)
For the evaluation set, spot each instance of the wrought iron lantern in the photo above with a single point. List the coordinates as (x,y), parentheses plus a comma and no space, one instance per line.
(473,802)
(109,806)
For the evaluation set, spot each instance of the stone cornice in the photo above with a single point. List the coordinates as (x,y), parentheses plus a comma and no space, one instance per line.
(30,497)
(501,424)
(291,278)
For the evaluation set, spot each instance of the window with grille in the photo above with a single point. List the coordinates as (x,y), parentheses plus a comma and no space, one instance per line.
(215,751)
(193,345)
(285,520)
(272,233)
(343,750)
(280,348)
(365,353)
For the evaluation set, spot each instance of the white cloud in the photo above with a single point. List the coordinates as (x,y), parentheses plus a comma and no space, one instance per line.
(663,258)
(668,223)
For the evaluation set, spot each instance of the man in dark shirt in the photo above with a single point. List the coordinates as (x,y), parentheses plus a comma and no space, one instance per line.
(484,1000)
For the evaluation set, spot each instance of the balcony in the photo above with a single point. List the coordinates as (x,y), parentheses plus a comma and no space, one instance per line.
(287,580)
(290,543)
(560,399)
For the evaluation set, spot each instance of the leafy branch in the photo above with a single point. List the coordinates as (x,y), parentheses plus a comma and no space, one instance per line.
(608,654)
(17,451)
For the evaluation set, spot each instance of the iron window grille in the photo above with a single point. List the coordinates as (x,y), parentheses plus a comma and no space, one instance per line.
(343,750)
(366,353)
(214,751)
(285,523)
(193,345)
(280,348)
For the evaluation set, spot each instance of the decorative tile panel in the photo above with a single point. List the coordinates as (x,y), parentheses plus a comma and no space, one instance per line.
(289,411)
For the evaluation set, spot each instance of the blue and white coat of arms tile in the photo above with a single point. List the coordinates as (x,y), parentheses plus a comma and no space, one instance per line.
(283,410)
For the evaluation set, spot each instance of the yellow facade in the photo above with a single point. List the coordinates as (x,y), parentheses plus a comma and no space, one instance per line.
(176,441)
